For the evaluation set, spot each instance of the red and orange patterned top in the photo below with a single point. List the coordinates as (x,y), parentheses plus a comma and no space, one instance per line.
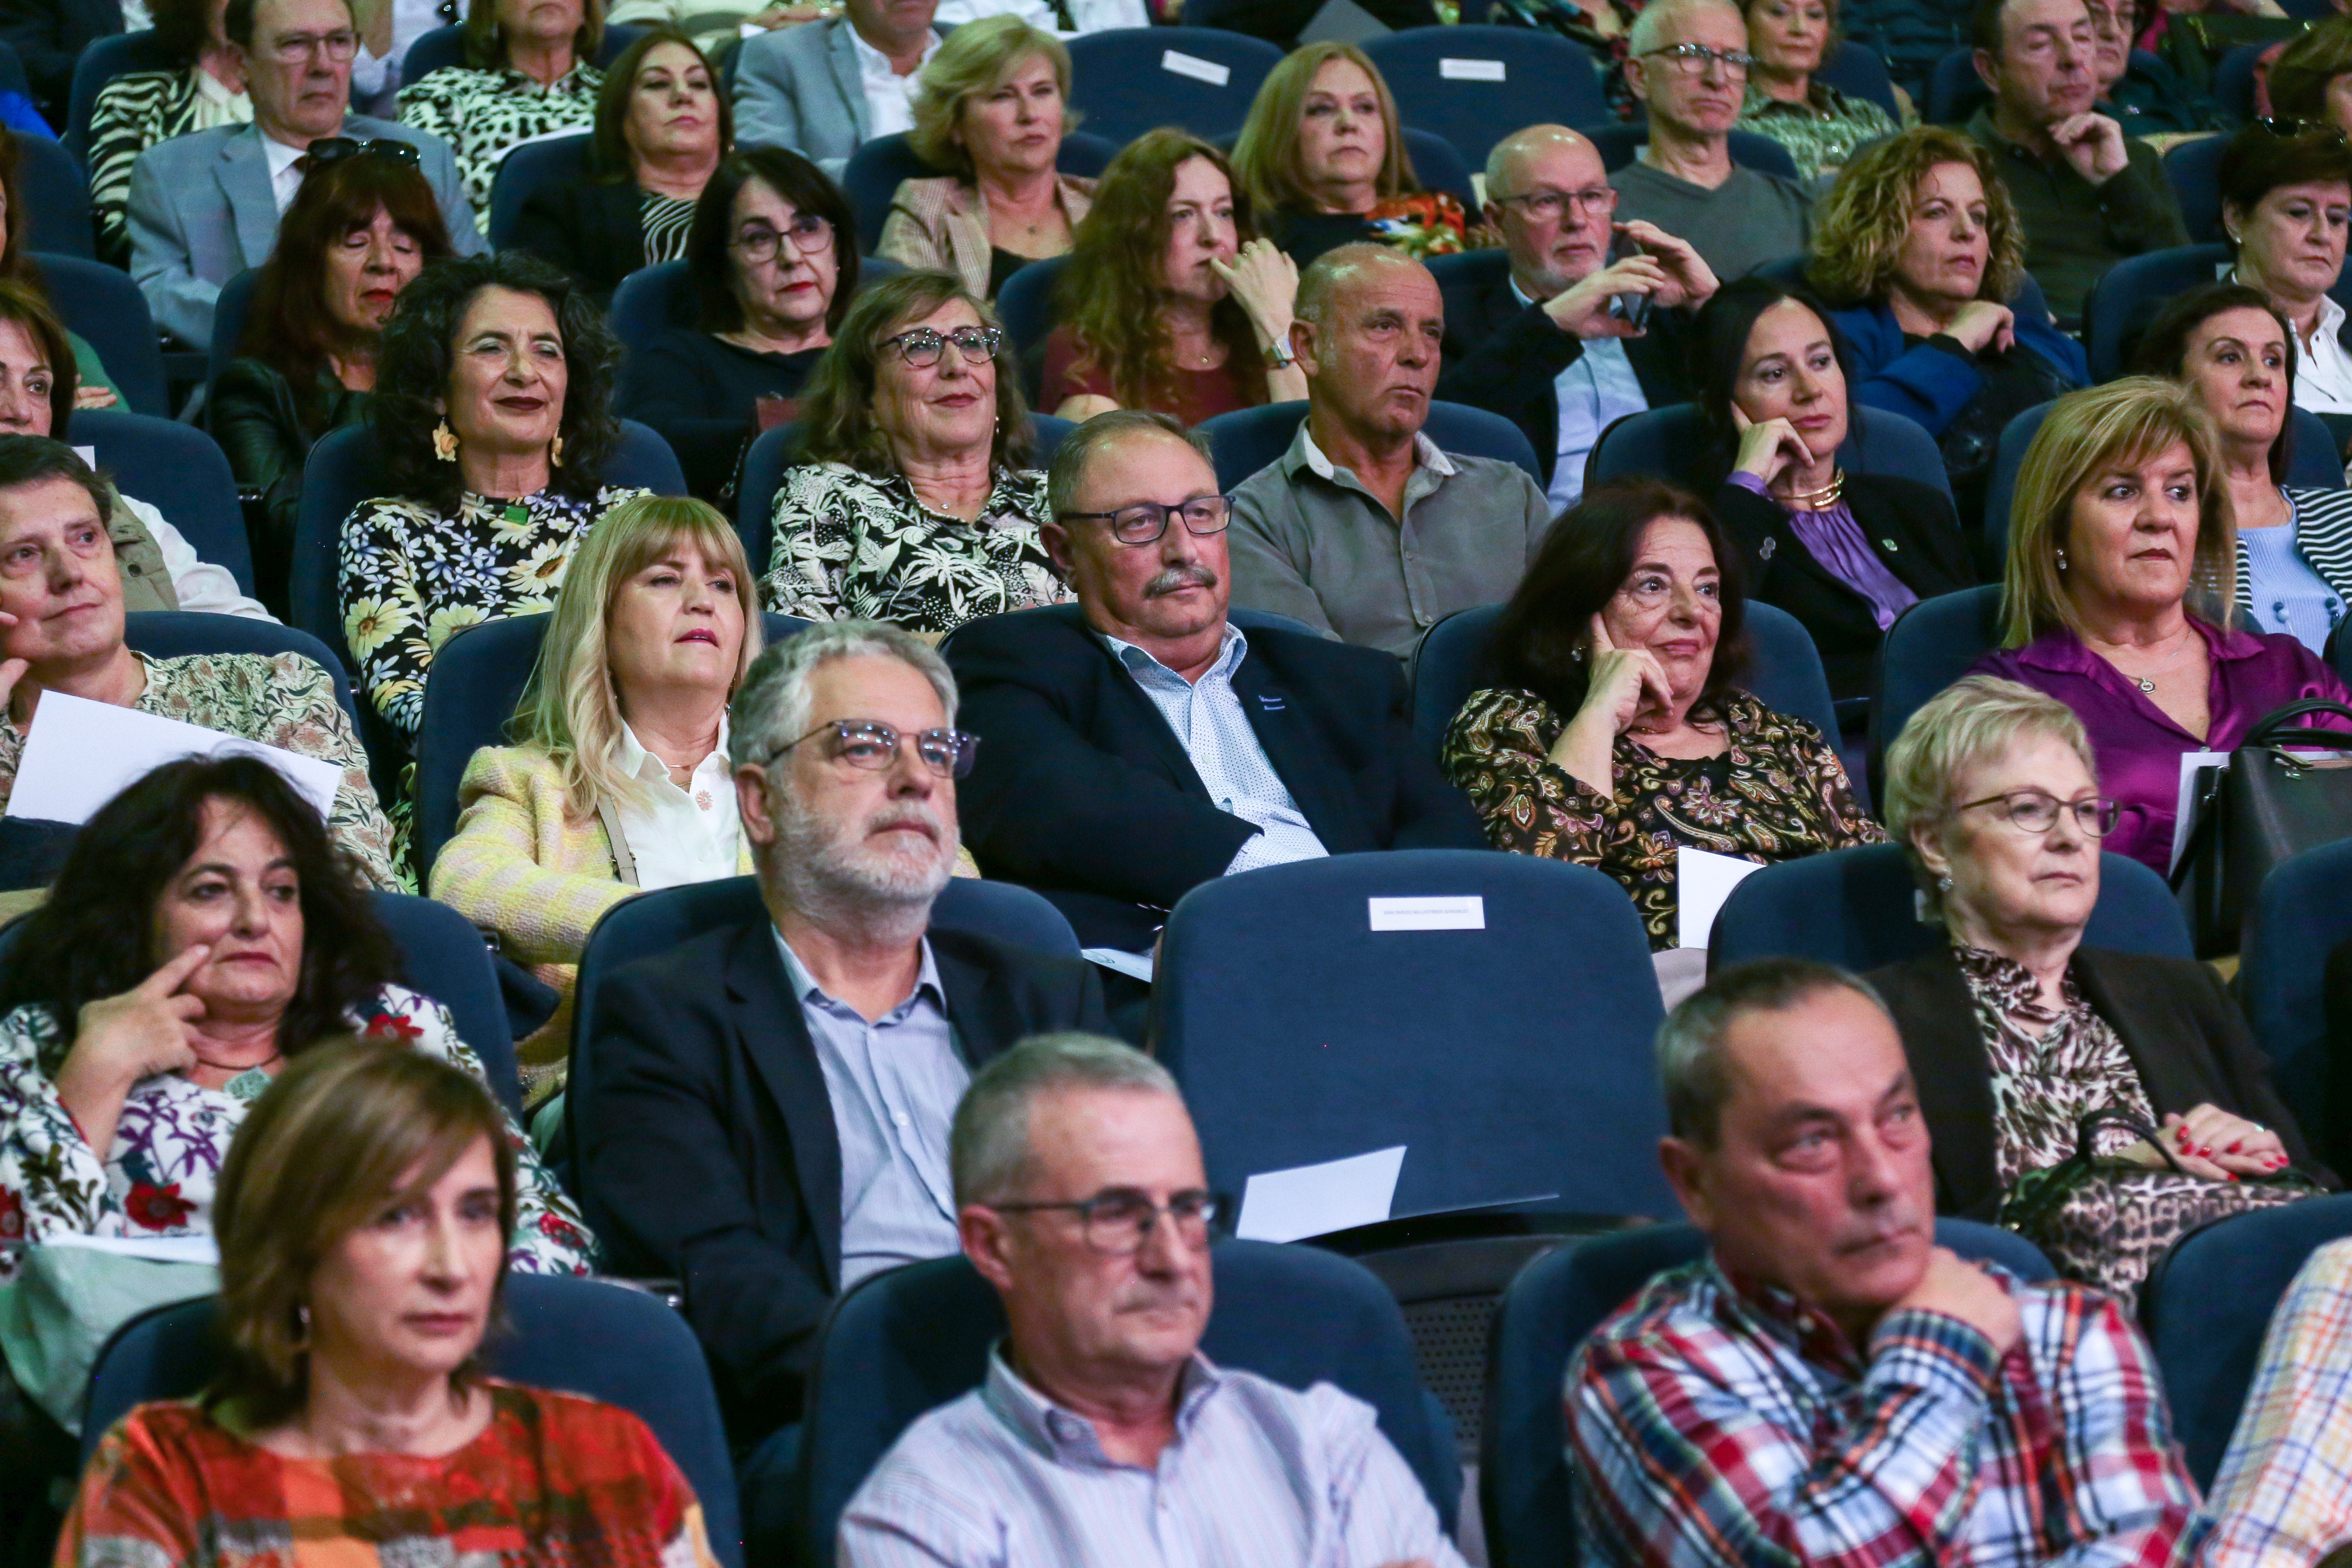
(553,1480)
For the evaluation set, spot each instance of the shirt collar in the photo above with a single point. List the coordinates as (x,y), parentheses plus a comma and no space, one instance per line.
(637,763)
(872,62)
(806,989)
(2061,650)
(570,82)
(1757,1306)
(1425,454)
(279,155)
(1231,648)
(1065,1436)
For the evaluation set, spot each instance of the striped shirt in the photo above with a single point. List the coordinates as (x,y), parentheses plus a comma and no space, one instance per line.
(1713,1424)
(133,112)
(1257,1474)
(2284,1493)
(666,220)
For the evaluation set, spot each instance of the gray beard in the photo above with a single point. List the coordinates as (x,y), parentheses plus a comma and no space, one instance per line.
(873,897)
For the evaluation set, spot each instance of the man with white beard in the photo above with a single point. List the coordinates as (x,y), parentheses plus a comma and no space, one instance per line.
(773,1096)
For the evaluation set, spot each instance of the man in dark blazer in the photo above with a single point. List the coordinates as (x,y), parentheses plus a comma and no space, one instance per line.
(1085,787)
(1539,343)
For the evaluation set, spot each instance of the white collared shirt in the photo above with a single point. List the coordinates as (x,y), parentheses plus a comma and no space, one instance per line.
(285,179)
(1425,455)
(1599,388)
(1089,15)
(889,96)
(2323,370)
(678,835)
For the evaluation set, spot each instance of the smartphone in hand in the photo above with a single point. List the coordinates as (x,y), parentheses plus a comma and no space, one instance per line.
(1633,309)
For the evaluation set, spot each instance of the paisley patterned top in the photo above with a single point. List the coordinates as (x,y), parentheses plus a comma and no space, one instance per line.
(1778,793)
(2049,1070)
(158,1178)
(1820,133)
(485,115)
(856,546)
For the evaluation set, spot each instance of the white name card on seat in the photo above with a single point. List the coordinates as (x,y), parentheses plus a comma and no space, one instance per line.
(81,755)
(1453,913)
(1195,67)
(1702,882)
(1470,70)
(1315,1200)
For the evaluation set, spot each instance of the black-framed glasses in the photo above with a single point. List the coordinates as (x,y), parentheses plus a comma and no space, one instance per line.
(1146,521)
(1545,206)
(2036,811)
(2289,130)
(865,743)
(1691,58)
(328,151)
(1118,1222)
(808,232)
(922,347)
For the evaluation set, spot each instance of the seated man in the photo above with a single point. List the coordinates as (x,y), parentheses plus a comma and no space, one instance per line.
(771,1098)
(1687,61)
(1101,1426)
(2139,91)
(205,208)
(1829,1385)
(2282,1498)
(2087,194)
(822,88)
(1544,347)
(1364,529)
(1137,745)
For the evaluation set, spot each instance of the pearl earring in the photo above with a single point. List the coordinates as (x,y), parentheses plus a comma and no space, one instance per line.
(1943,884)
(2061,558)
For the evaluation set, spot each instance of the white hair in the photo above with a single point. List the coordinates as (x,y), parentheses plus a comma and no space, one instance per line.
(771,710)
(1649,28)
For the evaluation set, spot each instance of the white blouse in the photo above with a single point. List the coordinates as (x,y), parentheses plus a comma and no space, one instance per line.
(678,835)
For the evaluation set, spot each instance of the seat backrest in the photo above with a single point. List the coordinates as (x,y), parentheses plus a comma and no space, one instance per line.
(443,956)
(650,302)
(1474,84)
(1930,645)
(2194,170)
(1954,89)
(1524,1487)
(2208,1304)
(909,1340)
(177,470)
(1491,265)
(2127,295)
(102,62)
(229,313)
(1470,432)
(105,307)
(1130,79)
(57,217)
(1856,70)
(1672,442)
(444,46)
(1440,167)
(1302,1032)
(2301,915)
(528,169)
(2234,84)
(172,634)
(593,1337)
(1025,304)
(1243,442)
(1619,143)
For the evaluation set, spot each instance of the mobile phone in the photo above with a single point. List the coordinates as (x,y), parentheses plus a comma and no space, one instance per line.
(1633,309)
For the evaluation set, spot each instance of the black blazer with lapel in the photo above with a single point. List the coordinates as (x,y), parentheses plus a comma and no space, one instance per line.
(712,1151)
(2184,1034)
(594,232)
(1082,792)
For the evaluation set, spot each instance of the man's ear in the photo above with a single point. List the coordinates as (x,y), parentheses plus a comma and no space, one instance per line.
(1686,1173)
(1988,68)
(1055,536)
(751,801)
(987,1241)
(1637,79)
(1302,343)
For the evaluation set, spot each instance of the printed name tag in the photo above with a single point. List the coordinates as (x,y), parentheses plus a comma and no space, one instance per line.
(1196,67)
(1465,912)
(1470,70)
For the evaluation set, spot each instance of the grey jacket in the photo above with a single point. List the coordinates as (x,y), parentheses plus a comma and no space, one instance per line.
(800,88)
(201,212)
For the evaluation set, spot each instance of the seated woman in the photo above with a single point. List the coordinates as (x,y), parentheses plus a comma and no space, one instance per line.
(662,125)
(2121,513)
(990,106)
(1322,158)
(203,86)
(493,410)
(2016,1031)
(527,75)
(1788,101)
(363,1208)
(94,388)
(915,503)
(1617,729)
(772,257)
(1844,553)
(1171,301)
(2230,346)
(2284,204)
(204,933)
(358,232)
(2311,79)
(1920,250)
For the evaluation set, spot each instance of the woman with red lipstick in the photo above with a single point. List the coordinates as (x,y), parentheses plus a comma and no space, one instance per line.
(2286,204)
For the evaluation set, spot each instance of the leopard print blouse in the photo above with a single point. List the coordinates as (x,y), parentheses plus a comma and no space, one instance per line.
(485,115)
(2049,1068)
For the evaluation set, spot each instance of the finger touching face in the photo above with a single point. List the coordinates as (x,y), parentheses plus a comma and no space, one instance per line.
(1789,371)
(1671,604)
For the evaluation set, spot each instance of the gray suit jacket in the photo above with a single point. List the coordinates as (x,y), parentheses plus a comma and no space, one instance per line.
(800,88)
(201,212)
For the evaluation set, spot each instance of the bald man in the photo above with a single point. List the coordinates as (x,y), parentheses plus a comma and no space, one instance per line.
(1553,346)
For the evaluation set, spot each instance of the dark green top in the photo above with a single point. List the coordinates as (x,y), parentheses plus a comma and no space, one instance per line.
(2075,230)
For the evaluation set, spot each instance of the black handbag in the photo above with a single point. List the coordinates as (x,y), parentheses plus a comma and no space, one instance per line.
(2271,804)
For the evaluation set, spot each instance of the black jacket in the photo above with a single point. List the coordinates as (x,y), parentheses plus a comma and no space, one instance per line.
(594,232)
(1910,528)
(1082,792)
(260,424)
(2184,1034)
(712,1151)
(1503,356)
(50,36)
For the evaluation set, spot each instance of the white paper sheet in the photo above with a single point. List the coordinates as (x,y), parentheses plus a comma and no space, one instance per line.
(1195,67)
(2184,817)
(1456,912)
(1470,70)
(81,755)
(1702,882)
(1134,965)
(1315,1200)
(155,1248)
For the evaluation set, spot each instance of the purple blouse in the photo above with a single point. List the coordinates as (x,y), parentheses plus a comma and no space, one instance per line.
(2138,746)
(1837,541)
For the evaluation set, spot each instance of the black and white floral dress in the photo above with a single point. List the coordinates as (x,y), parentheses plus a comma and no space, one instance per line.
(858,546)
(485,115)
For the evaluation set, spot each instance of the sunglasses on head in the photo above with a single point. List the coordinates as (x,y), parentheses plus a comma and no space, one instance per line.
(2287,129)
(328,151)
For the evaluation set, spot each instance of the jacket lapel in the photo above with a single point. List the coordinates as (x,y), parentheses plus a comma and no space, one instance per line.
(2159,1070)
(1954,1077)
(244,175)
(1121,691)
(1281,726)
(775,1038)
(979,1008)
(842,55)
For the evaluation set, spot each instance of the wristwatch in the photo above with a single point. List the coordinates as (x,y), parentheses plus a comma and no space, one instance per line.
(1278,355)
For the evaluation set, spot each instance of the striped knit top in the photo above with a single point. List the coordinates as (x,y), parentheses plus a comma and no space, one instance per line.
(2323,537)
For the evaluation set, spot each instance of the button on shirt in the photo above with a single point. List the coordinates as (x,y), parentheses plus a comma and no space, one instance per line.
(678,835)
(1214,730)
(1601,386)
(1257,1474)
(894,1084)
(2285,593)
(889,96)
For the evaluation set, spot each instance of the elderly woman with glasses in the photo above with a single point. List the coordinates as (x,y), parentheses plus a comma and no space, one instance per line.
(915,504)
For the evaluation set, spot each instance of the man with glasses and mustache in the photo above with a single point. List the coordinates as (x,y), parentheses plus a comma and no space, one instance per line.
(206,207)
(772,1096)
(1102,1435)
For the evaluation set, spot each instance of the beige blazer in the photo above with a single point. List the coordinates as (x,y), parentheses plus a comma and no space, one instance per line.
(943,222)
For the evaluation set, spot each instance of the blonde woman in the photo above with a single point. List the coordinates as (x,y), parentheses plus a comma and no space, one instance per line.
(992,105)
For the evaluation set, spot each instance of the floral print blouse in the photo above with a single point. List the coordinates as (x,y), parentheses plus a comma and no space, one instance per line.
(851,545)
(408,579)
(1777,793)
(485,115)
(280,700)
(1820,133)
(159,1178)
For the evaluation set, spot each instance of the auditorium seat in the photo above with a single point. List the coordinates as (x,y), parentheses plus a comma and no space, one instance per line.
(103,306)
(1673,443)
(177,470)
(1128,80)
(1475,84)
(1248,439)
(2301,915)
(1930,645)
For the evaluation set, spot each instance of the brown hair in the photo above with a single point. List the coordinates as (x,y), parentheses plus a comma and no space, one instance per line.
(837,405)
(2299,77)
(1860,226)
(2258,161)
(22,302)
(1265,158)
(609,154)
(486,41)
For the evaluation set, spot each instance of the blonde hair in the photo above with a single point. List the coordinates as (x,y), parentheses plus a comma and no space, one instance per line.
(572,708)
(1860,226)
(2090,433)
(978,57)
(1266,163)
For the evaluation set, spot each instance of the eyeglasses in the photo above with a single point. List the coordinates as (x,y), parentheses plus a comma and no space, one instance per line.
(922,347)
(2034,811)
(328,151)
(2287,129)
(1146,521)
(293,48)
(863,744)
(1546,205)
(1118,1222)
(1691,59)
(808,232)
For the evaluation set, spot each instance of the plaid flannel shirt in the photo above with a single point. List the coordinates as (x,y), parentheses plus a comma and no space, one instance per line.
(2284,1499)
(1712,1425)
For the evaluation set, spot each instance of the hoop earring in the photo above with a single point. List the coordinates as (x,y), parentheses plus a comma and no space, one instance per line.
(556,452)
(445,442)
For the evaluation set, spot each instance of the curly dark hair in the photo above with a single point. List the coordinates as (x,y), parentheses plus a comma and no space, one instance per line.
(179,28)
(91,939)
(420,346)
(837,405)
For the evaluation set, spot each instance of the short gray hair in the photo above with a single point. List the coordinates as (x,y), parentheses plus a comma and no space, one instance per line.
(1325,274)
(1651,25)
(771,710)
(1079,448)
(988,1145)
(1692,1069)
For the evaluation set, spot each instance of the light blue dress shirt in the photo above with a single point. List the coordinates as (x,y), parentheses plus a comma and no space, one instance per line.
(2287,595)
(1601,386)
